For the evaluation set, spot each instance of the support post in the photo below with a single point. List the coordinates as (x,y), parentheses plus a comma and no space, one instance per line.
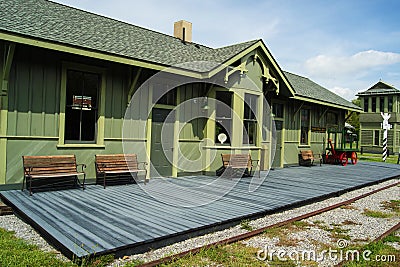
(5,68)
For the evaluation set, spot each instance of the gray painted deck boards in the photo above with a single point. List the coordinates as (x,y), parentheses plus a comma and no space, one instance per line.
(101,220)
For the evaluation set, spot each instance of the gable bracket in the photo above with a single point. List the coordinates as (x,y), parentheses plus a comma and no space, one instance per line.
(266,74)
(241,68)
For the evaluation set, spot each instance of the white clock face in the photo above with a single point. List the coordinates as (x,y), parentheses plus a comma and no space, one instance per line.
(222,138)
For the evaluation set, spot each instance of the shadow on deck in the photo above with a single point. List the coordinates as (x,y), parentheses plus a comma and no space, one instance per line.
(127,219)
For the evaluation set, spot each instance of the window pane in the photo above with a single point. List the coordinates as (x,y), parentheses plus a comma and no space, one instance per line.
(381,104)
(250,106)
(376,139)
(390,104)
(305,121)
(81,106)
(366,104)
(374,104)
(224,111)
(277,110)
(223,118)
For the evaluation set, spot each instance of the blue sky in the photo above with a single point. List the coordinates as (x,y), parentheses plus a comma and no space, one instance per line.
(345,46)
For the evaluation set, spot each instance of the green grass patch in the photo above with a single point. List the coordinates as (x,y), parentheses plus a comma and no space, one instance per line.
(17,252)
(245,224)
(378,249)
(392,206)
(376,214)
(236,254)
(377,158)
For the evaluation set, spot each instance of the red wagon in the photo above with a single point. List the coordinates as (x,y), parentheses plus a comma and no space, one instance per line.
(342,152)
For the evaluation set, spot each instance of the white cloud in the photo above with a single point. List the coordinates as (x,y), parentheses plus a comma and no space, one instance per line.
(346,93)
(357,64)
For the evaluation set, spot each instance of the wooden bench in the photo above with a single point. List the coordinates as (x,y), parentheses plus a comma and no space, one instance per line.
(45,167)
(117,165)
(239,163)
(307,158)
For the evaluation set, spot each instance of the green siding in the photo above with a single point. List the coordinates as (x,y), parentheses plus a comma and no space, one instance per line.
(33,94)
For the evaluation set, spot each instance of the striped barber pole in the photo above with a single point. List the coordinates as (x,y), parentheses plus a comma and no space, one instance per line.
(384,148)
(385,126)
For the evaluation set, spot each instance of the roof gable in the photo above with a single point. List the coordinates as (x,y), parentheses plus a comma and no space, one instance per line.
(380,88)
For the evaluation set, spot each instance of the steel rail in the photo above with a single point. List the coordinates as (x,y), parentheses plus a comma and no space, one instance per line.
(256,232)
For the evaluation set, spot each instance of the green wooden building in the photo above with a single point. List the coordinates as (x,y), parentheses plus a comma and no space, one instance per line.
(381,97)
(68,76)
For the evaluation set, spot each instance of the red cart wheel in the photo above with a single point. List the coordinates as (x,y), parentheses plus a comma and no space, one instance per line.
(354,157)
(343,159)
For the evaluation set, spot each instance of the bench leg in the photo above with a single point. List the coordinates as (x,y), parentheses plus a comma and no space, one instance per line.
(23,183)
(104,180)
(30,186)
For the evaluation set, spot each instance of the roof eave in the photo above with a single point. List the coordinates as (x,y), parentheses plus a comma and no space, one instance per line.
(317,101)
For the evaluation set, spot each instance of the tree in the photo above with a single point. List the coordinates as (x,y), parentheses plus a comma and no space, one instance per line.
(354,119)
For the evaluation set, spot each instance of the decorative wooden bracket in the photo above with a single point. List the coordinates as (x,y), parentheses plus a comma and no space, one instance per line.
(323,114)
(348,116)
(266,74)
(241,68)
(134,84)
(294,114)
(8,58)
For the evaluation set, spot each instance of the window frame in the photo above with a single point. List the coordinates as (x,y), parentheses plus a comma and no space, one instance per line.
(381,104)
(373,104)
(377,134)
(366,104)
(307,143)
(252,120)
(390,103)
(228,142)
(99,138)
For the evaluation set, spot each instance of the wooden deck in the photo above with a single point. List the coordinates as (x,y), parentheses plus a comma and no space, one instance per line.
(125,219)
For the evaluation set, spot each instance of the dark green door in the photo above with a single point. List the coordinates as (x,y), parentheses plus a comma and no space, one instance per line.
(162,138)
(278,151)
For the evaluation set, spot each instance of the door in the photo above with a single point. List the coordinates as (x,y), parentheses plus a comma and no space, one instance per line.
(162,138)
(278,150)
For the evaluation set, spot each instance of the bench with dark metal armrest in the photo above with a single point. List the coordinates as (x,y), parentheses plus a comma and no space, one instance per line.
(234,162)
(307,158)
(44,167)
(118,165)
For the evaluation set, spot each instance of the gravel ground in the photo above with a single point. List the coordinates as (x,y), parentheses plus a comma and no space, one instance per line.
(359,227)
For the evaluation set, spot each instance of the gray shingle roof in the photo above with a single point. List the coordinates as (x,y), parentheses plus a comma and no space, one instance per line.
(62,24)
(57,23)
(380,88)
(306,88)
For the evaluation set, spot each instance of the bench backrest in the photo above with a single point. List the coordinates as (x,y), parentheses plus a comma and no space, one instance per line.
(116,162)
(307,154)
(42,165)
(236,160)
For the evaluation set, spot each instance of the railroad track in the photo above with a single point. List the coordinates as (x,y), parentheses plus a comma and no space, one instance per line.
(259,231)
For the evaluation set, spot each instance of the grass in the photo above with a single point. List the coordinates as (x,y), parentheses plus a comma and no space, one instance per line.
(236,254)
(245,224)
(377,158)
(17,252)
(392,206)
(376,214)
(380,248)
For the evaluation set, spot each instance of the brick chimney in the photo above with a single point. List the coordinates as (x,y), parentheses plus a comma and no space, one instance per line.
(183,30)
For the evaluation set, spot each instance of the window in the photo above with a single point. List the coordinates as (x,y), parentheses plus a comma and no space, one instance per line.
(277,110)
(376,138)
(161,96)
(390,104)
(366,100)
(223,118)
(249,119)
(81,110)
(374,104)
(305,125)
(382,104)
(332,118)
